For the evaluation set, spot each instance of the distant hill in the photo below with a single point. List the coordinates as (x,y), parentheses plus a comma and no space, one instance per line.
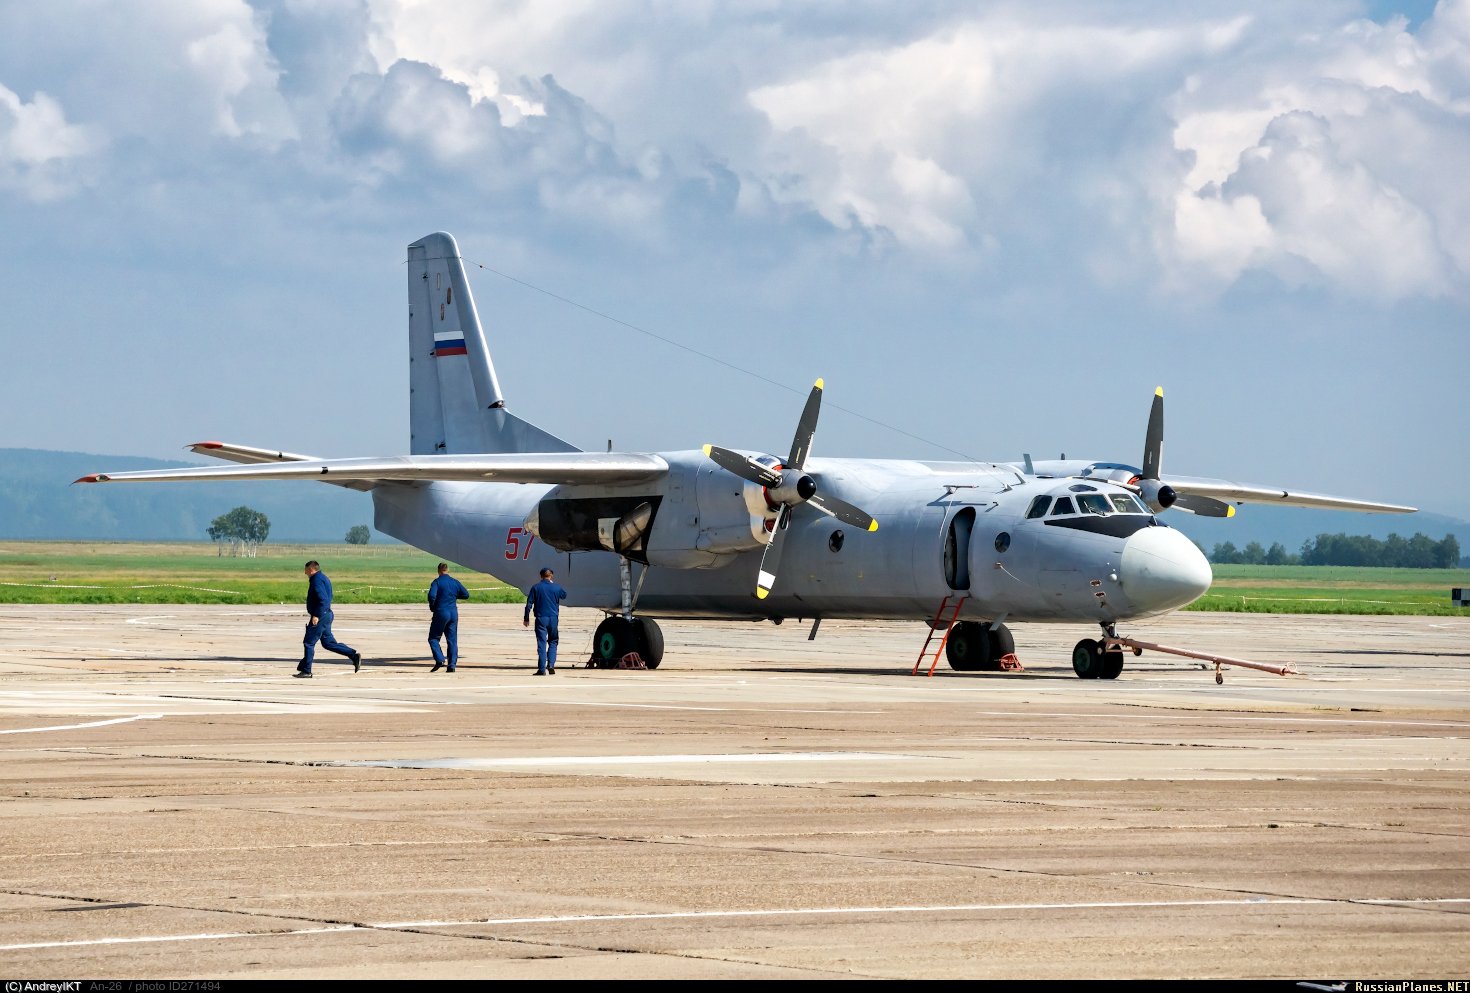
(37,500)
(1292,526)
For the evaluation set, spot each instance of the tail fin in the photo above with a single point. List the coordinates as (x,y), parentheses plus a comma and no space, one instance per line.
(455,404)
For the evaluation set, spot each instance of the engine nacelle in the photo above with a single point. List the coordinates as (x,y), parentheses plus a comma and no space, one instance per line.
(795,487)
(618,524)
(1159,496)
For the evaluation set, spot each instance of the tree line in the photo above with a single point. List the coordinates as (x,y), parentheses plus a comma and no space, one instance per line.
(244,529)
(1418,552)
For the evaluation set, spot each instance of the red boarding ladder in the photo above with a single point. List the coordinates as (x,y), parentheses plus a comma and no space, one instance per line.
(954,613)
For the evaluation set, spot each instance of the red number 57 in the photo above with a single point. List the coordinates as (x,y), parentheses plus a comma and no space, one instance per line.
(513,541)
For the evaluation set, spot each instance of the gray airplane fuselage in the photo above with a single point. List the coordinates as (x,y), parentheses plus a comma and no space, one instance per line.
(945,528)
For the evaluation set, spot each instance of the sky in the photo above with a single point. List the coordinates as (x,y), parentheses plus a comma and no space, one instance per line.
(992,228)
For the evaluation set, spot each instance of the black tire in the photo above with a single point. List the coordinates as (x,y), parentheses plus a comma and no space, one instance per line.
(968,647)
(1087,657)
(614,638)
(1002,643)
(1112,665)
(650,640)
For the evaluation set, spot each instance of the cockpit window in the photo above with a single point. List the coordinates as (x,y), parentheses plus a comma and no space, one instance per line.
(1094,503)
(1064,506)
(1127,503)
(1038,507)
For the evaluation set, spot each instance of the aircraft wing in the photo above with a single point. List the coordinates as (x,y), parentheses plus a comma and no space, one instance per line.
(559,467)
(1212,497)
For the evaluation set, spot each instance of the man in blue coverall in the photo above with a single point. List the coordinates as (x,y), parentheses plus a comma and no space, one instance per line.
(319,622)
(445,593)
(545,598)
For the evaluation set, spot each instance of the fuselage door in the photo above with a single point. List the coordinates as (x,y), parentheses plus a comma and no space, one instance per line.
(957,549)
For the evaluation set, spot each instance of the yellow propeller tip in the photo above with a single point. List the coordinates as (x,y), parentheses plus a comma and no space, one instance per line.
(761,594)
(708,449)
(873,526)
(818,383)
(1229,511)
(1158,391)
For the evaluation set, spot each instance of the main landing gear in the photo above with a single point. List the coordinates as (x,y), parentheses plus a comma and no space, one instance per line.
(622,634)
(1093,659)
(974,647)
(617,636)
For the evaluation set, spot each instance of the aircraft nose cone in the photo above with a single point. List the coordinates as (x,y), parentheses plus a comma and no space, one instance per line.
(1162,570)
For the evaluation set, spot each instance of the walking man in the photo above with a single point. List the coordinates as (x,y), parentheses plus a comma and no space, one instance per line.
(545,599)
(445,593)
(319,622)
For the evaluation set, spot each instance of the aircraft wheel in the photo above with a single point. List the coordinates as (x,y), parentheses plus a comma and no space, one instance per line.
(614,638)
(1087,658)
(650,640)
(1002,643)
(1112,665)
(968,647)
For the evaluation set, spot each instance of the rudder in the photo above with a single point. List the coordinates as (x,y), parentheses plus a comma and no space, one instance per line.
(455,403)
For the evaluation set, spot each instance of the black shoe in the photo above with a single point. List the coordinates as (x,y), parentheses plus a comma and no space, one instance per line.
(302,675)
(551,672)
(540,672)
(356,661)
(450,669)
(437,666)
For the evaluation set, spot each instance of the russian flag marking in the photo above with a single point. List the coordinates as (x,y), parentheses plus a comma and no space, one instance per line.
(449,343)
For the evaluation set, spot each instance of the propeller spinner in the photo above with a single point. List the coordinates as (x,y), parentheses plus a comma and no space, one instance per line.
(787,486)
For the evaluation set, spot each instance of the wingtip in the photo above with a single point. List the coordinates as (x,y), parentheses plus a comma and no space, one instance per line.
(95,477)
(205,444)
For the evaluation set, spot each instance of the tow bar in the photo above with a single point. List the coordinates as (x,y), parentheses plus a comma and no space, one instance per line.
(1219,660)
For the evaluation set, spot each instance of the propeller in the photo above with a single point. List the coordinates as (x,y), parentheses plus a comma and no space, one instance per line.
(787,486)
(1159,496)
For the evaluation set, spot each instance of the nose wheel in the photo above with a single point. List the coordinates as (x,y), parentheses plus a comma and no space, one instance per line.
(1091,659)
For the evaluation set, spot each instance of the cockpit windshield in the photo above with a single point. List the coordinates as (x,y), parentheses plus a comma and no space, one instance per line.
(1094,503)
(1127,503)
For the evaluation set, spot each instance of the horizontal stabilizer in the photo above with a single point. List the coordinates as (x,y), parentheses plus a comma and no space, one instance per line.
(557,468)
(244,454)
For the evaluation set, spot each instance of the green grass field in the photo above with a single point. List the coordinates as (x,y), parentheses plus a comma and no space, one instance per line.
(1309,589)
(192,572)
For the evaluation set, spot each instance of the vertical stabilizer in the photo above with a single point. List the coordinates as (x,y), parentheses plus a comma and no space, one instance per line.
(455,403)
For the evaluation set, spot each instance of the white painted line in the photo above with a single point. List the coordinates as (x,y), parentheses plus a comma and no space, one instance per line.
(574,760)
(737,914)
(177,937)
(1156,714)
(942,909)
(723,710)
(93,724)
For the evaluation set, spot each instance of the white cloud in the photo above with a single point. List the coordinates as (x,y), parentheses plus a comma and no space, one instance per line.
(1121,144)
(1343,150)
(38,148)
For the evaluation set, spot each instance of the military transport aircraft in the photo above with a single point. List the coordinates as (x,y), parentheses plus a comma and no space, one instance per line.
(725,534)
